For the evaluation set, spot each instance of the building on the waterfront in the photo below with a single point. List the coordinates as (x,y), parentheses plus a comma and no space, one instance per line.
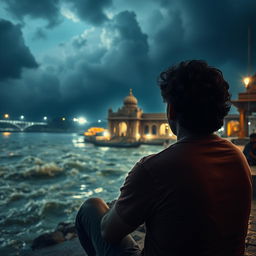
(129,122)
(246,106)
(231,127)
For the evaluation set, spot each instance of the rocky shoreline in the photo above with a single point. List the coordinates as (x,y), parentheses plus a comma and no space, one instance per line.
(63,241)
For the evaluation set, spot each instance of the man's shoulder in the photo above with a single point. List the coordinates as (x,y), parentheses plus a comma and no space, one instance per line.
(186,149)
(156,158)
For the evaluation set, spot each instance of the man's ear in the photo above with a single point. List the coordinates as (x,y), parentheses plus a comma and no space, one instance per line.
(170,112)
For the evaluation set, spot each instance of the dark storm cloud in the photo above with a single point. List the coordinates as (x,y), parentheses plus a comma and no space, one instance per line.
(44,9)
(38,94)
(14,54)
(211,30)
(97,75)
(90,11)
(132,48)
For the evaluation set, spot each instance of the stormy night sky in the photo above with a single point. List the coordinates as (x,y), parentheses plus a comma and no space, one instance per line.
(80,57)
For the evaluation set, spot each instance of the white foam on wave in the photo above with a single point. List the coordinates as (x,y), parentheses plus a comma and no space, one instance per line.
(49,169)
(74,164)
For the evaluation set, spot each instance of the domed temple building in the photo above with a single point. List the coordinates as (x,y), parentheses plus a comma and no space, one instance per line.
(131,124)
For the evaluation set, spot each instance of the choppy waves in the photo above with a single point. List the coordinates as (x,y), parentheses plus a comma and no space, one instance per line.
(44,178)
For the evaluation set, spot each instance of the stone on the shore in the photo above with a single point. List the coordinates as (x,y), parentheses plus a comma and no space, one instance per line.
(48,239)
(63,232)
(67,229)
(68,248)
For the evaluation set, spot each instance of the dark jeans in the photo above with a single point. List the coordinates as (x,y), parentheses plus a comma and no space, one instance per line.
(88,229)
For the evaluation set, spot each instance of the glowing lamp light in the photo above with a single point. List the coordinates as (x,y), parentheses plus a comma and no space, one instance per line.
(137,136)
(6,116)
(106,134)
(81,120)
(45,118)
(63,118)
(22,117)
(246,81)
(99,121)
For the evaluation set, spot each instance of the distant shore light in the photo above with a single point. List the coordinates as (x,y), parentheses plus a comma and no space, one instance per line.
(80,120)
(22,117)
(45,117)
(6,116)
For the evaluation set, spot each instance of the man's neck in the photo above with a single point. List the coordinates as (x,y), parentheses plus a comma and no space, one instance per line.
(183,133)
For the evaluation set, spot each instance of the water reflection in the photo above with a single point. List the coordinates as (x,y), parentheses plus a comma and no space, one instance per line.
(78,142)
(6,134)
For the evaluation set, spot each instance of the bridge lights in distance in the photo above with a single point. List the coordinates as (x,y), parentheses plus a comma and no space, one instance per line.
(22,117)
(6,116)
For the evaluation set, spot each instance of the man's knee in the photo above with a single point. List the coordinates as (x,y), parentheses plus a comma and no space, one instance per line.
(93,202)
(92,206)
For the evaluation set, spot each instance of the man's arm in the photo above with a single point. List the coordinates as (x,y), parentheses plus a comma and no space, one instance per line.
(113,228)
(131,208)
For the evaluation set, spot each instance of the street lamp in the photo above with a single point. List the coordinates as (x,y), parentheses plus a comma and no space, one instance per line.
(22,117)
(82,120)
(45,118)
(246,81)
(6,116)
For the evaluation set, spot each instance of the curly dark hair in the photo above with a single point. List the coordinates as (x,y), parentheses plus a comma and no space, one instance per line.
(199,95)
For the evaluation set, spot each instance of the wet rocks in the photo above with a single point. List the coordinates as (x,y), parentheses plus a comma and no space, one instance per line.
(47,240)
(63,232)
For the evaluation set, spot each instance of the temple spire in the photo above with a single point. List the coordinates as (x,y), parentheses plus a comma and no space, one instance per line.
(130,92)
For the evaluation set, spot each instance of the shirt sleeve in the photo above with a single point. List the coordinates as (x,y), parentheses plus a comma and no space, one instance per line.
(135,202)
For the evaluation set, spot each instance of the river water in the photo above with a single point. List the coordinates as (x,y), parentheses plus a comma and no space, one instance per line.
(45,177)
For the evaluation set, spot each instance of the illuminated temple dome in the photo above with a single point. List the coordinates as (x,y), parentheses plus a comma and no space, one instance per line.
(130,100)
(130,124)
